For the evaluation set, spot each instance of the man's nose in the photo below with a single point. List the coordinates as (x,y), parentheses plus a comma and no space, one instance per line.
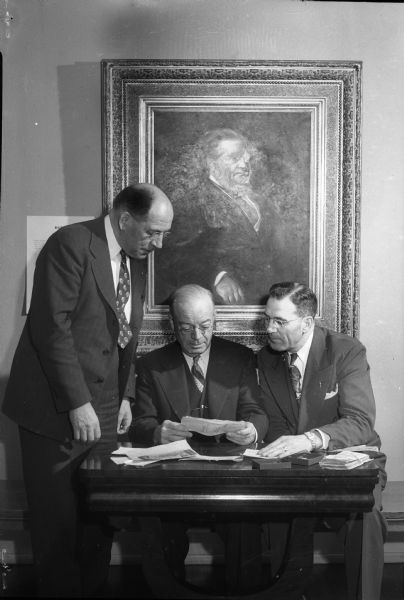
(196,333)
(271,327)
(157,241)
(244,162)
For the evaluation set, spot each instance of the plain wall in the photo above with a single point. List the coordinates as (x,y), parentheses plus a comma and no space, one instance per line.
(51,148)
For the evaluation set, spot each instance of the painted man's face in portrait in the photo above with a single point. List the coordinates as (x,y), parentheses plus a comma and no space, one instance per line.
(231,169)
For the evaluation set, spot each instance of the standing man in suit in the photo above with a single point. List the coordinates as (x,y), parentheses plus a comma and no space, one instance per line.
(205,376)
(72,379)
(318,395)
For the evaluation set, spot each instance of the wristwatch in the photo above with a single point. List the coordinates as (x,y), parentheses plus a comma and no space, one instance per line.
(314,439)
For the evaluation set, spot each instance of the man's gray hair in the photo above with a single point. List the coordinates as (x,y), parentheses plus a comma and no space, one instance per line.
(210,141)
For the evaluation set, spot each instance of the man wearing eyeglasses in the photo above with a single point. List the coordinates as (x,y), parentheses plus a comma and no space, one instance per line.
(206,376)
(72,378)
(169,387)
(318,396)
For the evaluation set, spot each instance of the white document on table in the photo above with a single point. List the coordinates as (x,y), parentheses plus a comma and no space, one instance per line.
(180,449)
(174,450)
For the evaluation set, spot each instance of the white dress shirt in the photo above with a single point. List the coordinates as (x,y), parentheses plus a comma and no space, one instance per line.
(115,256)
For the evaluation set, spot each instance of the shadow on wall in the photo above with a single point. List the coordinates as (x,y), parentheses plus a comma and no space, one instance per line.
(79,88)
(10,456)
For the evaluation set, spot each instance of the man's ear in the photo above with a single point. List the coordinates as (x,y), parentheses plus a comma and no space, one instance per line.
(171,321)
(123,219)
(308,323)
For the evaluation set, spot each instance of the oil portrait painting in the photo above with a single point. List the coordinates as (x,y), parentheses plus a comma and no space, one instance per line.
(240,186)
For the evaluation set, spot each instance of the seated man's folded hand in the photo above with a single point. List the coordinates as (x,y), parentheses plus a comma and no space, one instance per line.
(247,434)
(285,446)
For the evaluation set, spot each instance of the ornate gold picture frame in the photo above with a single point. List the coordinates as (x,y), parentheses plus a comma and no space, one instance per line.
(302,123)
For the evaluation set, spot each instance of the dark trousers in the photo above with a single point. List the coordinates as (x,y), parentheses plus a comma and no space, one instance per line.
(242,550)
(71,554)
(364,551)
(364,546)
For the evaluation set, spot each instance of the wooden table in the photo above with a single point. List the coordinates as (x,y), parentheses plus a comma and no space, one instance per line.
(239,489)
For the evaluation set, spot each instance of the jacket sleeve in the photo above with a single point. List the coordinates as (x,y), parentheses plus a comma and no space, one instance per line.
(145,415)
(250,399)
(356,409)
(57,281)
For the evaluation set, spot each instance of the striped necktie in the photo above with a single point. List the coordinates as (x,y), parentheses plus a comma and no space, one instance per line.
(122,297)
(294,375)
(198,375)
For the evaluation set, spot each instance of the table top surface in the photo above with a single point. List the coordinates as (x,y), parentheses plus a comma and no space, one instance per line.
(98,465)
(177,486)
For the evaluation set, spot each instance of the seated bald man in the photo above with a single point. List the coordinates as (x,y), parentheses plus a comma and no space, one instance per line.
(201,375)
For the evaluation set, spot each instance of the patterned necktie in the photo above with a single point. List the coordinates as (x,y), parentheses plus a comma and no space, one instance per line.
(122,297)
(294,374)
(197,372)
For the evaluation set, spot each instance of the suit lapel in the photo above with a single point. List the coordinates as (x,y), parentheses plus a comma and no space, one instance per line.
(216,380)
(101,263)
(315,382)
(174,381)
(277,376)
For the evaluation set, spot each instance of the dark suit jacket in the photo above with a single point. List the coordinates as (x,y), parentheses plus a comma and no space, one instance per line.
(161,392)
(211,234)
(337,394)
(70,336)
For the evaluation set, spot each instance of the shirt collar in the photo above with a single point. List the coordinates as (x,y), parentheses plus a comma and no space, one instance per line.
(303,352)
(113,247)
(203,359)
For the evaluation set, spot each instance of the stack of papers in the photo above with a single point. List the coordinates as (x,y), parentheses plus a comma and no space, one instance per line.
(181,450)
(346,459)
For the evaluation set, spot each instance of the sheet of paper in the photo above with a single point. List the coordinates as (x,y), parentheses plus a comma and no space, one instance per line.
(209,426)
(39,228)
(249,452)
(180,449)
(236,458)
(175,450)
(136,462)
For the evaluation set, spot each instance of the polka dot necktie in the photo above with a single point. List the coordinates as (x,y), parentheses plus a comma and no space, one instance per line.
(197,372)
(294,374)
(122,297)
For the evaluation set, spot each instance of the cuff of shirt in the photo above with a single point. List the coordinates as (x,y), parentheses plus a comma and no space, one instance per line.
(325,438)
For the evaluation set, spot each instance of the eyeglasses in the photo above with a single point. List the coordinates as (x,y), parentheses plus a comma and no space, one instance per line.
(155,235)
(278,323)
(193,328)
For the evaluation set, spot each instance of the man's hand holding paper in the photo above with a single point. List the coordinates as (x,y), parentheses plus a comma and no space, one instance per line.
(170,431)
(238,432)
(247,434)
